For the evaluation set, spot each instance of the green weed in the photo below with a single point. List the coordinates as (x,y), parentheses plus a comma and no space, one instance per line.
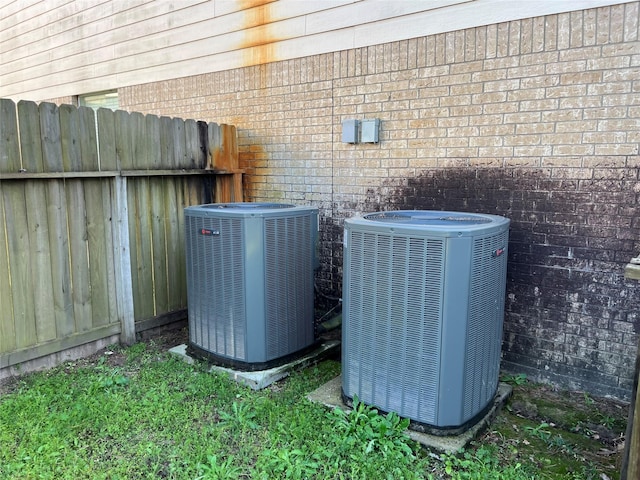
(383,434)
(517,379)
(241,417)
(216,469)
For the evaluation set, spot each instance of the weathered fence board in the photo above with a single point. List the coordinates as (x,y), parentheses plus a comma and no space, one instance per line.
(158,244)
(19,265)
(7,330)
(108,159)
(150,158)
(9,151)
(40,259)
(30,137)
(91,217)
(142,262)
(98,243)
(175,260)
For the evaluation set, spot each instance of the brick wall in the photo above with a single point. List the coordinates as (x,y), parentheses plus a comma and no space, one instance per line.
(535,119)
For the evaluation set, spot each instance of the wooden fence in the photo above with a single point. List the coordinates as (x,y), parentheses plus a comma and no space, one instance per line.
(91,221)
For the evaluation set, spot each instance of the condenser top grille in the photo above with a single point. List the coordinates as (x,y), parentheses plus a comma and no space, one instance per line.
(431,223)
(431,218)
(246,206)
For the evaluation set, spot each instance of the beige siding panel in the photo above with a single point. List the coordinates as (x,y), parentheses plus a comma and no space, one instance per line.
(72,21)
(21,12)
(225,7)
(140,54)
(366,12)
(143,32)
(191,41)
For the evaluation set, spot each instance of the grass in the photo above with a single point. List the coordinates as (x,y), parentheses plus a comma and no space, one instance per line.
(140,414)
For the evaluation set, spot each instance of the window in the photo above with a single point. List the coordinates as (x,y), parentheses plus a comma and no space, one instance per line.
(107,99)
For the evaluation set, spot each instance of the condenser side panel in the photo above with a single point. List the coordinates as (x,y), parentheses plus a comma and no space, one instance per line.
(486,314)
(289,256)
(392,316)
(216,293)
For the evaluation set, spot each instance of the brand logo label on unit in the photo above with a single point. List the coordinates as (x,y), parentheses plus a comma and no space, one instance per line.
(497,252)
(209,233)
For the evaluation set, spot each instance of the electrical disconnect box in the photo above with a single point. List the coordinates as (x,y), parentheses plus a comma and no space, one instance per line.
(350,131)
(369,131)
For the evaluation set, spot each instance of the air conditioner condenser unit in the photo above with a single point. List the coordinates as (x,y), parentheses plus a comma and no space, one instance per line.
(250,273)
(423,308)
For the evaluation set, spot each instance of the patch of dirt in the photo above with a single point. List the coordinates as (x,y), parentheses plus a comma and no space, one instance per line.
(602,419)
(166,337)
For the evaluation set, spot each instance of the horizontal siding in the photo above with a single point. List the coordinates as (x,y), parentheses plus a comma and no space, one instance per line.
(54,49)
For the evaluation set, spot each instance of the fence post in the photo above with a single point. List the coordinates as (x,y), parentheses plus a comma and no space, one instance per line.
(122,261)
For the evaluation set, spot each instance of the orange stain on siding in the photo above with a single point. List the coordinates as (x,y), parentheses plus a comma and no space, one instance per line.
(260,35)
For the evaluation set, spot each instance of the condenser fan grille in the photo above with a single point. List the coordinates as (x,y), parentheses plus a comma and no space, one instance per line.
(289,284)
(395,290)
(216,295)
(484,330)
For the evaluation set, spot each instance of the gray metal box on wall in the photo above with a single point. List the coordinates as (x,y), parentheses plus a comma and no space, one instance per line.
(423,309)
(250,269)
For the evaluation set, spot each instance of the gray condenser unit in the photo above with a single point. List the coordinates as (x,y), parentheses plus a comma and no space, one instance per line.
(423,309)
(250,269)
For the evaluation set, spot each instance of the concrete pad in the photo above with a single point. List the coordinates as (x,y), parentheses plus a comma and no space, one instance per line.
(259,379)
(330,395)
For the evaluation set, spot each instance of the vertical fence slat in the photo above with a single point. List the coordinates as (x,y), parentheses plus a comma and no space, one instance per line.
(214,139)
(112,224)
(77,224)
(173,210)
(143,264)
(7,327)
(80,277)
(229,150)
(95,237)
(166,142)
(30,136)
(9,163)
(152,143)
(57,213)
(88,140)
(113,209)
(96,223)
(195,141)
(97,247)
(9,151)
(50,136)
(181,203)
(107,141)
(60,271)
(137,129)
(175,258)
(70,138)
(158,236)
(40,254)
(123,138)
(36,198)
(19,263)
(178,157)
